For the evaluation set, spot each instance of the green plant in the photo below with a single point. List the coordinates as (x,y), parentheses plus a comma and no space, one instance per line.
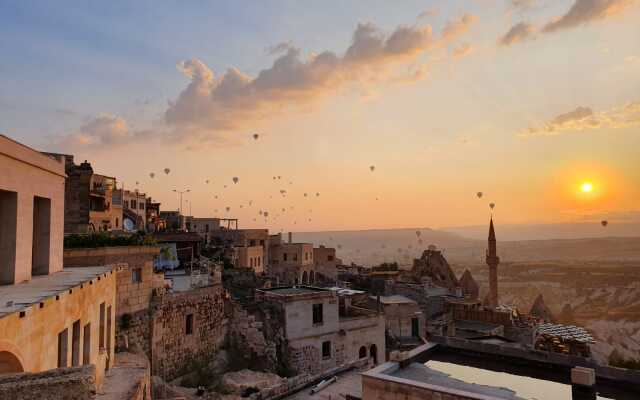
(618,360)
(106,239)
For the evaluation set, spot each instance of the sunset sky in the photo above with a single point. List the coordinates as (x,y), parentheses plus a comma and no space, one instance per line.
(524,100)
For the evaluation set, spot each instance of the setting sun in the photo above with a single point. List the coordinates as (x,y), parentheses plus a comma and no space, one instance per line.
(586,187)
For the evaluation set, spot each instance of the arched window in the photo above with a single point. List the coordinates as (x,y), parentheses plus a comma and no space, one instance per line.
(373,353)
(305,278)
(363,352)
(312,277)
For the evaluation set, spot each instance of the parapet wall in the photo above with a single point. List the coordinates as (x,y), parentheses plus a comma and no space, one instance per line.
(609,373)
(76,383)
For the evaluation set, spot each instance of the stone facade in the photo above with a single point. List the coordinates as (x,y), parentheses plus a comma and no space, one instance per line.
(251,257)
(325,263)
(318,335)
(135,284)
(186,327)
(76,383)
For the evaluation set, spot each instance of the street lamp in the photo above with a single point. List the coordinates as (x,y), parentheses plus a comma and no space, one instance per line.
(181,192)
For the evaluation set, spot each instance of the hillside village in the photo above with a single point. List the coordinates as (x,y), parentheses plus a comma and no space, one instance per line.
(104,294)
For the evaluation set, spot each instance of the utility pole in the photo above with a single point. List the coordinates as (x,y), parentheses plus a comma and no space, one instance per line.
(181,192)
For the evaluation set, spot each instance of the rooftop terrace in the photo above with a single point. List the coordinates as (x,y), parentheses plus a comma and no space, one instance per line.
(18,297)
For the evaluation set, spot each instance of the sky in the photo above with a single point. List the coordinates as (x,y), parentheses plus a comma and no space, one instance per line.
(522,100)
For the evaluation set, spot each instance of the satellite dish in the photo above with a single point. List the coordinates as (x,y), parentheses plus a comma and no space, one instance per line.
(128,225)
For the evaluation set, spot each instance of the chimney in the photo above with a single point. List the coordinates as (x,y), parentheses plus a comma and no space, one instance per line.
(290,237)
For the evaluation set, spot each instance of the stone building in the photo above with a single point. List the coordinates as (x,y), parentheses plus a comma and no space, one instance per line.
(134,206)
(469,286)
(319,333)
(291,263)
(251,257)
(404,320)
(50,317)
(92,203)
(154,222)
(326,263)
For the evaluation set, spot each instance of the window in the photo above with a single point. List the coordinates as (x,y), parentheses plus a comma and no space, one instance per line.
(326,349)
(206,228)
(262,243)
(189,325)
(41,236)
(306,256)
(141,205)
(62,348)
(317,314)
(330,258)
(109,331)
(117,222)
(295,256)
(126,204)
(102,321)
(284,256)
(136,275)
(133,204)
(8,230)
(252,242)
(86,345)
(75,344)
(363,352)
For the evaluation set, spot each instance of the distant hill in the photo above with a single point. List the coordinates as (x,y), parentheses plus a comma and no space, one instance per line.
(549,231)
(371,247)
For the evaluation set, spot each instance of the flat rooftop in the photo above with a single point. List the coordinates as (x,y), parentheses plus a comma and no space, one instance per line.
(295,290)
(15,298)
(423,374)
(394,299)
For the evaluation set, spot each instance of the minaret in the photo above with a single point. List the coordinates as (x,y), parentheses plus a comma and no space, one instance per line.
(492,261)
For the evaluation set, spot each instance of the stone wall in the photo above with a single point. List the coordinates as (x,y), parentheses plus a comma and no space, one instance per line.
(57,384)
(129,379)
(132,295)
(248,336)
(173,350)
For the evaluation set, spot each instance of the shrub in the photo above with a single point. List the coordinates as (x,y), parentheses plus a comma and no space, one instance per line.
(105,239)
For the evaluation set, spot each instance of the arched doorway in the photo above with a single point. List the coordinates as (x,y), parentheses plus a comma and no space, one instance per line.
(363,352)
(312,277)
(373,353)
(9,363)
(305,278)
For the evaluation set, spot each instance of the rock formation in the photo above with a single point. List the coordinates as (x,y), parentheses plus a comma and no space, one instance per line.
(540,310)
(433,266)
(470,287)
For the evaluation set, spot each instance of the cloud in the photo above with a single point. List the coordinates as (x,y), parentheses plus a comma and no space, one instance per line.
(101,130)
(462,50)
(430,12)
(586,11)
(518,33)
(454,28)
(582,12)
(584,118)
(522,5)
(214,105)
(279,48)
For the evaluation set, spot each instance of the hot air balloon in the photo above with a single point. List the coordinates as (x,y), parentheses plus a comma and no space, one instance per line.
(418,233)
(265,213)
(492,205)
(241,205)
(283,210)
(260,212)
(305,195)
(167,170)
(339,246)
(207,181)
(317,194)
(283,192)
(151,174)
(256,136)
(250,202)
(604,222)
(224,186)
(279,177)
(137,183)
(479,194)
(372,168)
(228,209)
(235,179)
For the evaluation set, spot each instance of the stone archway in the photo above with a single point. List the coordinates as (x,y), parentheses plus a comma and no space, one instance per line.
(312,277)
(363,352)
(10,363)
(305,278)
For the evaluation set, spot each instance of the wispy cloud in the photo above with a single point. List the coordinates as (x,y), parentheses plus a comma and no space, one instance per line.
(518,33)
(102,130)
(582,12)
(584,118)
(463,50)
(586,11)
